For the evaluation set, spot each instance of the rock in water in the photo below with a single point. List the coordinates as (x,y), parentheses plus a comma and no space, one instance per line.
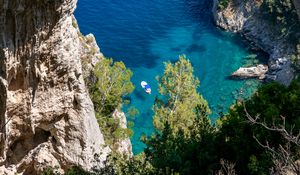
(46,116)
(251,72)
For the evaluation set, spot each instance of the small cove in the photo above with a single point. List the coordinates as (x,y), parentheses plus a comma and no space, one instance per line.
(144,34)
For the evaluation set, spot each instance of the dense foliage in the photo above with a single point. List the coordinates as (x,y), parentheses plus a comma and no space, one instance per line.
(111,85)
(179,103)
(181,119)
(111,82)
(236,136)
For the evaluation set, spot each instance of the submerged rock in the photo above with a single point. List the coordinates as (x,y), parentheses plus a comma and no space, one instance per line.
(258,71)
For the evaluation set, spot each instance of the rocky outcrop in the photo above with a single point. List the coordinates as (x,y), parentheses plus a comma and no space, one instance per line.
(280,70)
(46,115)
(90,56)
(90,53)
(258,71)
(246,18)
(123,146)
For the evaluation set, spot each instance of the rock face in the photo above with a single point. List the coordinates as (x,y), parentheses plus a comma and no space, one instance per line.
(258,71)
(90,56)
(245,17)
(123,146)
(46,115)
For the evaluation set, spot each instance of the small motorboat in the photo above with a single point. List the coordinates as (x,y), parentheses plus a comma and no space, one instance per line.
(146,87)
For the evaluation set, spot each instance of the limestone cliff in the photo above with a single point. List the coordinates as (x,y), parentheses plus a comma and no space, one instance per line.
(249,18)
(90,56)
(46,115)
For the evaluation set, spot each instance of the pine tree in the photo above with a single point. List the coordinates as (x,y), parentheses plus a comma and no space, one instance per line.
(112,84)
(184,141)
(180,103)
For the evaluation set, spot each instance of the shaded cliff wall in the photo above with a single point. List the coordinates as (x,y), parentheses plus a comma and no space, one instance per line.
(251,19)
(46,115)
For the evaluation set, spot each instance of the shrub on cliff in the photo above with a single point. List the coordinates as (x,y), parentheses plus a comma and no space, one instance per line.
(223,4)
(111,83)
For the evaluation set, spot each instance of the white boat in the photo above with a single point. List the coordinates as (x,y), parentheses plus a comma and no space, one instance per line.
(146,87)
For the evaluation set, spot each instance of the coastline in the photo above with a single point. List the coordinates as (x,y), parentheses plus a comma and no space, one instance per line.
(245,18)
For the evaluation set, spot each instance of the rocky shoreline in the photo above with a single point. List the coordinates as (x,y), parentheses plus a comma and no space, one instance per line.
(244,17)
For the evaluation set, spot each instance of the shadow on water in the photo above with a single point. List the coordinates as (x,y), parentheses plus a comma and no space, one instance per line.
(199,10)
(140,94)
(195,48)
(176,49)
(242,42)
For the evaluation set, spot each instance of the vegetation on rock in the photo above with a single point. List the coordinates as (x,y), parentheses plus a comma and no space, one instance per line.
(222,4)
(110,83)
(283,15)
(280,14)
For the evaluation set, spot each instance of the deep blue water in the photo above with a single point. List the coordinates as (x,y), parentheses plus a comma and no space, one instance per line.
(145,33)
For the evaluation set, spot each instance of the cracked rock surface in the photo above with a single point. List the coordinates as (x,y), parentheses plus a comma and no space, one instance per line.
(46,116)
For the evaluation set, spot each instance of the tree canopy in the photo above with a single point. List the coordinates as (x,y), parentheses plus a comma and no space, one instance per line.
(179,102)
(110,83)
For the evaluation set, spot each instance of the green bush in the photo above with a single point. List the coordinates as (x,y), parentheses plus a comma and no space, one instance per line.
(111,83)
(223,4)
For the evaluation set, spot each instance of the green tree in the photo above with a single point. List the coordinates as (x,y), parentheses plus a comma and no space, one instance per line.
(110,83)
(183,143)
(179,97)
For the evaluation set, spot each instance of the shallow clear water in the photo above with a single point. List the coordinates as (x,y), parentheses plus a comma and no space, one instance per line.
(145,33)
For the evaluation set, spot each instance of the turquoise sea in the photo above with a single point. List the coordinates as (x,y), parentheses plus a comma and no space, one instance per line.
(146,33)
